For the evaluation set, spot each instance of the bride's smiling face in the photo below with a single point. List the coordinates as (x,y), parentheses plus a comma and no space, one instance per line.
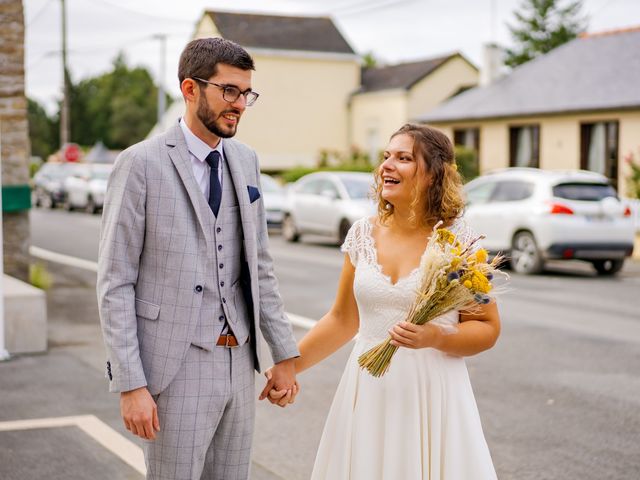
(401,172)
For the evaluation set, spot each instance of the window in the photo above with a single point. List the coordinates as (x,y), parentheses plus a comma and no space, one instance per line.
(312,187)
(468,138)
(524,146)
(599,149)
(587,192)
(480,194)
(512,191)
(357,189)
(328,187)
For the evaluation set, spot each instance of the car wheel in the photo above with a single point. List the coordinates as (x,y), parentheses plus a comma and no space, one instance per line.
(525,256)
(343,230)
(608,267)
(289,229)
(67,205)
(91,206)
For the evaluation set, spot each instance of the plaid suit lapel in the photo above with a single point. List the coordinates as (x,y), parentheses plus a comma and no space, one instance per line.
(235,163)
(179,155)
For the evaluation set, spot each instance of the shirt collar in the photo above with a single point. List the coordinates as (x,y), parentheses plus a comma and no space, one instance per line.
(196,146)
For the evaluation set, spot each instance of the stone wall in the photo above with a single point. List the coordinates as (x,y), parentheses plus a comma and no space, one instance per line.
(14,131)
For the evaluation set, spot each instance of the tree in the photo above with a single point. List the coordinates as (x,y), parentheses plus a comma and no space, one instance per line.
(369,60)
(43,131)
(542,26)
(119,107)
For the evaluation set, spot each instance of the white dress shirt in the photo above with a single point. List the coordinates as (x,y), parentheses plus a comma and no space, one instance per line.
(198,151)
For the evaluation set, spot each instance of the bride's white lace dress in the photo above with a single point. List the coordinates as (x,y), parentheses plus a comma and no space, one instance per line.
(419,420)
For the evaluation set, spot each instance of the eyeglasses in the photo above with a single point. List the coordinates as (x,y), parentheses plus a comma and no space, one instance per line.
(231,93)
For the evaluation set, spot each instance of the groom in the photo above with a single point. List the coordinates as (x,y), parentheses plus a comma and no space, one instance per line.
(185,279)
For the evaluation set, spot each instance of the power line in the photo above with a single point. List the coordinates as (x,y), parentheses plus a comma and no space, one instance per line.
(148,15)
(40,12)
(367,6)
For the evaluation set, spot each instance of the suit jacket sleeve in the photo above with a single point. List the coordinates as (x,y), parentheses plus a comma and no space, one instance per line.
(121,243)
(274,324)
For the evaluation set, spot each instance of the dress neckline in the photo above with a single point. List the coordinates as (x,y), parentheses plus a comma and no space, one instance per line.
(376,263)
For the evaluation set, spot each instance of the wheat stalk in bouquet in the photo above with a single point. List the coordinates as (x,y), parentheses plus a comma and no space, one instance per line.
(454,276)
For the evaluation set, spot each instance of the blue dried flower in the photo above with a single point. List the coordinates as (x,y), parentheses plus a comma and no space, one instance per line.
(453,276)
(489,276)
(478,297)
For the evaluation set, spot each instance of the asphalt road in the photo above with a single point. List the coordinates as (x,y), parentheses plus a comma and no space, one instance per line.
(559,394)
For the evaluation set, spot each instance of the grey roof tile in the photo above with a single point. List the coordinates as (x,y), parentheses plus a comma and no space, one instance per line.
(402,75)
(313,34)
(597,72)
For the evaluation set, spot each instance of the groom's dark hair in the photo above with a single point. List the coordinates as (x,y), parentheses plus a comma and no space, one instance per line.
(200,58)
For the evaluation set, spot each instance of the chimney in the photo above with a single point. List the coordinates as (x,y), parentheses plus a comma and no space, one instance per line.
(490,70)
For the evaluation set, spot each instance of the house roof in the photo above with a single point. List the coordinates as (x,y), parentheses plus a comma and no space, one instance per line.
(312,34)
(402,75)
(590,73)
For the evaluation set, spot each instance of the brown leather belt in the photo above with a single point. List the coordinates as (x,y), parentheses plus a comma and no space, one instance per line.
(227,341)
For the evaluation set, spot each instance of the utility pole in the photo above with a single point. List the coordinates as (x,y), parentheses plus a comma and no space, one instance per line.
(163,55)
(64,111)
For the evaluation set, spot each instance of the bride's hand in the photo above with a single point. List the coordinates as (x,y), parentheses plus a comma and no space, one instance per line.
(410,335)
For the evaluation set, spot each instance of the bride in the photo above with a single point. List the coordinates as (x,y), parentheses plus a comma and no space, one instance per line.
(419,420)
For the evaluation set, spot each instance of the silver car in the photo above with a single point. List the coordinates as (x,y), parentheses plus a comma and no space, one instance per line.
(274,200)
(327,203)
(537,215)
(86,187)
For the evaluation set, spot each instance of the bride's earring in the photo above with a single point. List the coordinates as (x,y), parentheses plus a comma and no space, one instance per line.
(388,206)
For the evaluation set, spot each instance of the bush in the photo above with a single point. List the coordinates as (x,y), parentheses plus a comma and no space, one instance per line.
(633,180)
(39,277)
(467,161)
(355,161)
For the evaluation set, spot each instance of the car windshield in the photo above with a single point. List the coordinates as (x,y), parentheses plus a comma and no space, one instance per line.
(357,188)
(55,171)
(269,184)
(589,192)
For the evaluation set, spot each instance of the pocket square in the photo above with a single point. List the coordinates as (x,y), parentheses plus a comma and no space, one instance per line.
(254,193)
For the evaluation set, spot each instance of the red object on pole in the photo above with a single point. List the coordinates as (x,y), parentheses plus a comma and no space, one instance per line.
(71,152)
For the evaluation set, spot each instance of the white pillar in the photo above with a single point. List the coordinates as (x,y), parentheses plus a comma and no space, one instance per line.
(4,354)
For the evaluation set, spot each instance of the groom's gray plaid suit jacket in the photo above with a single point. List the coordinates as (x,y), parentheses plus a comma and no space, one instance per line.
(156,256)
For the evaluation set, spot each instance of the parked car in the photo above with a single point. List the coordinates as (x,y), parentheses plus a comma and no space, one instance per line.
(85,188)
(274,200)
(535,215)
(48,188)
(327,203)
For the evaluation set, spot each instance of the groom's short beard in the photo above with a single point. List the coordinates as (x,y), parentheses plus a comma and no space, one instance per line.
(208,118)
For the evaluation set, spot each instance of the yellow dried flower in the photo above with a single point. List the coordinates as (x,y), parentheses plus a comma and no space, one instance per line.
(479,282)
(467,284)
(482,256)
(446,236)
(455,263)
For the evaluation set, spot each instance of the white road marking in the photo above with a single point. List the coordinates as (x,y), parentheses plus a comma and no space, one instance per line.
(63,259)
(296,320)
(125,449)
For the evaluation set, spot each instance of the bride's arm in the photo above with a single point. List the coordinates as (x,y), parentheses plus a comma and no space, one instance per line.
(476,333)
(336,328)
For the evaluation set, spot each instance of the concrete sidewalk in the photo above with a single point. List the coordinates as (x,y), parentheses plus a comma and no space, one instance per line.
(82,436)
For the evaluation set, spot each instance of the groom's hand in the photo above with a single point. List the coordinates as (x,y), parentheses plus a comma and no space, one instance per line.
(140,413)
(281,378)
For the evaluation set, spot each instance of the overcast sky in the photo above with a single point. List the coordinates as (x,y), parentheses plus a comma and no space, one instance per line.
(394,30)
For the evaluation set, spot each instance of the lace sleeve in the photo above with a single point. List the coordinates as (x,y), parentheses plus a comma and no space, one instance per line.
(353,242)
(466,234)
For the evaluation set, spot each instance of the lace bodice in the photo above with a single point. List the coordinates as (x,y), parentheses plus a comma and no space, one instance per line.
(381,303)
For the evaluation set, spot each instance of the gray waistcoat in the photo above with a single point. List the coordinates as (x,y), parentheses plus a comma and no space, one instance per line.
(226,302)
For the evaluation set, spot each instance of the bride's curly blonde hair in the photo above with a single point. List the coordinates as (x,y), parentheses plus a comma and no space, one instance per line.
(443,198)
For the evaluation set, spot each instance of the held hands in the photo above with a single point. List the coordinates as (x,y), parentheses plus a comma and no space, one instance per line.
(282,387)
(410,335)
(140,413)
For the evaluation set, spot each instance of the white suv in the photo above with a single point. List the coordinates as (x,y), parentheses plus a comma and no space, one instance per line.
(533,215)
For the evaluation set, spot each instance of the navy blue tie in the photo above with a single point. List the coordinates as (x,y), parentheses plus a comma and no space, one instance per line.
(215,189)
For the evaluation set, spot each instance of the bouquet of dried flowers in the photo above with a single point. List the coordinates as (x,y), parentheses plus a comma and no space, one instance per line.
(454,276)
